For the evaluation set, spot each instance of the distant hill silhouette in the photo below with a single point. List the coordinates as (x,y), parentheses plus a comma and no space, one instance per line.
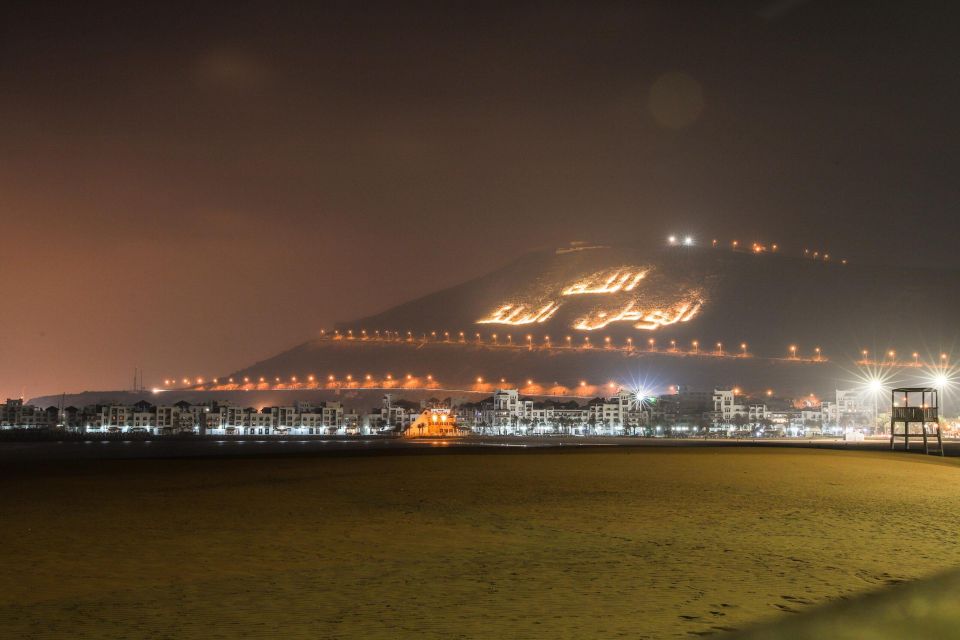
(769,301)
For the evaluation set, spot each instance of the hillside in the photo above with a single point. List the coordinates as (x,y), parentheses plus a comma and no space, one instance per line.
(629,296)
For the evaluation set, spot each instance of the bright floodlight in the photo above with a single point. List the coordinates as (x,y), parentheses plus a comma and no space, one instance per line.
(641,396)
(688,241)
(672,240)
(875,384)
(940,380)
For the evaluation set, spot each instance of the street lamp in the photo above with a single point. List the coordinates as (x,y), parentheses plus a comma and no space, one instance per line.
(743,349)
(696,346)
(793,351)
(875,386)
(817,351)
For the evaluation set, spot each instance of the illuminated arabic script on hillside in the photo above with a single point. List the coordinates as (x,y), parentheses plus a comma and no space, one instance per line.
(624,295)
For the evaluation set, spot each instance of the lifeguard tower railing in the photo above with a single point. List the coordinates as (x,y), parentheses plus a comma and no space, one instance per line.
(918,406)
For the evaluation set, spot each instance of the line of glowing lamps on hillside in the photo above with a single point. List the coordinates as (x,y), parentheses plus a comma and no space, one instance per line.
(874,383)
(888,359)
(388,381)
(755,247)
(529,341)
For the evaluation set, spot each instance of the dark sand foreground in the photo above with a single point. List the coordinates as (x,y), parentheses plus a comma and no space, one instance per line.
(555,544)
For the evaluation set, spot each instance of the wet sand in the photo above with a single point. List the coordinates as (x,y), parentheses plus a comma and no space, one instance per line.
(638,542)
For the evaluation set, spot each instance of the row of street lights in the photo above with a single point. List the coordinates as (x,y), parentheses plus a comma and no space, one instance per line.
(529,342)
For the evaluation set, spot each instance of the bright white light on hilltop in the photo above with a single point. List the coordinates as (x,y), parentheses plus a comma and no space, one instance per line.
(688,241)
(672,240)
(875,385)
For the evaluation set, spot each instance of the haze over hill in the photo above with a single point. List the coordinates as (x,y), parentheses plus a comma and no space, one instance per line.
(768,301)
(621,296)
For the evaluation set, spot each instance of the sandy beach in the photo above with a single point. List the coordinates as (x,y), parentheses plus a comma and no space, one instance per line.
(647,543)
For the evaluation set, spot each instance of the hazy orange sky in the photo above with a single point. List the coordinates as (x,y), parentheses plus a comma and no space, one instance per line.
(187,190)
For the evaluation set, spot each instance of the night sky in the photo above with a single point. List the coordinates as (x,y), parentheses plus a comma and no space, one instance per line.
(188,189)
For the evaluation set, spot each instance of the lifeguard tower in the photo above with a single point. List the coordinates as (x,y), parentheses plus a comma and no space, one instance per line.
(915,406)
